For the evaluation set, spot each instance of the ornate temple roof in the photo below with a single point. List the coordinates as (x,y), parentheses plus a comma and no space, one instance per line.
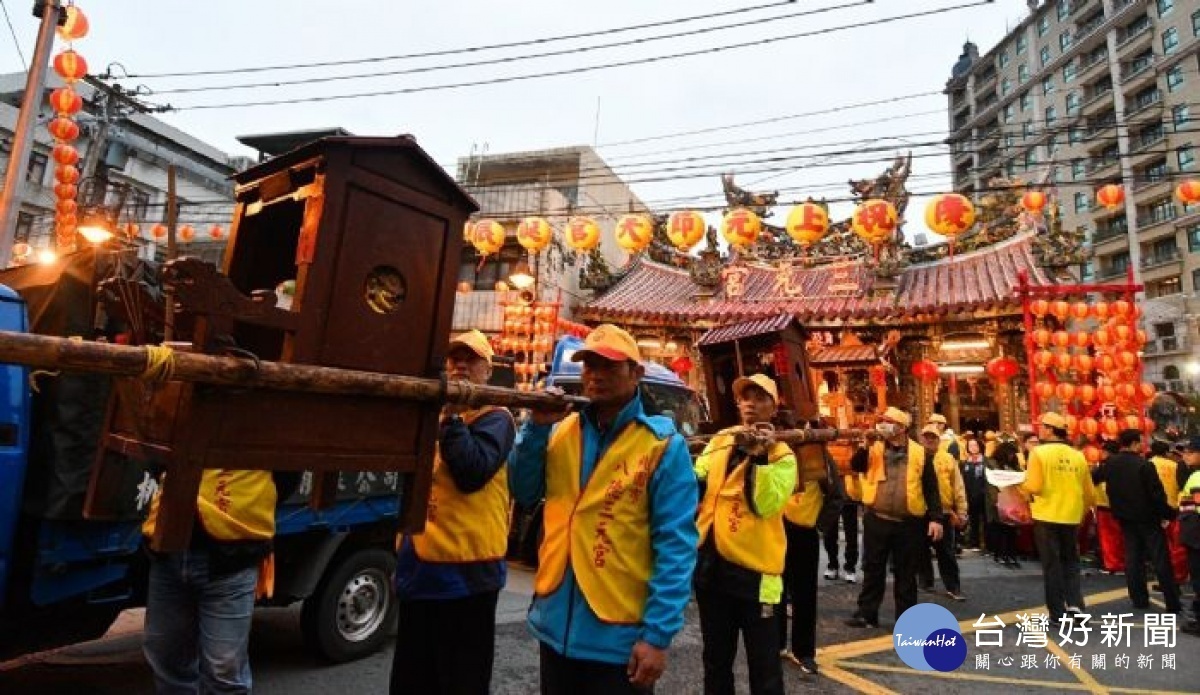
(833,292)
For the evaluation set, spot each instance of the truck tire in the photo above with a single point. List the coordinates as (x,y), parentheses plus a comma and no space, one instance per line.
(353,609)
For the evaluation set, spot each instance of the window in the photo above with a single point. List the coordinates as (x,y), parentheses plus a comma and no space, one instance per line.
(1068,72)
(1044,54)
(1165,7)
(1043,25)
(1174,79)
(1064,41)
(1186,158)
(1022,43)
(24,226)
(1170,372)
(1026,101)
(1009,139)
(1051,116)
(1005,86)
(1052,148)
(1008,113)
(1196,281)
(1027,129)
(1196,23)
(1078,169)
(1165,288)
(1031,158)
(1170,41)
(36,173)
(139,203)
(1022,73)
(1179,115)
(1048,85)
(1003,59)
(1081,202)
(1074,103)
(1193,237)
(1119,263)
(485,276)
(1064,9)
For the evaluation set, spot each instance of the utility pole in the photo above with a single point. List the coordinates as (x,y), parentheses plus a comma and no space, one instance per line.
(100,139)
(172,249)
(22,144)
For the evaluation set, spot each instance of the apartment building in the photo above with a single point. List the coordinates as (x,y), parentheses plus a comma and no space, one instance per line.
(1090,92)
(554,184)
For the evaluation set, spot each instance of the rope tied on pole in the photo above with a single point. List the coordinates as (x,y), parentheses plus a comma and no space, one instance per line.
(160,363)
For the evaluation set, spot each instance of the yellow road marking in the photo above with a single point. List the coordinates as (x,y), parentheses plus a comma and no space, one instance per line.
(956,676)
(862,685)
(1083,676)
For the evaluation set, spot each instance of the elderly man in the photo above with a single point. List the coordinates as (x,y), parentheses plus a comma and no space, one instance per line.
(448,579)
(1189,524)
(947,442)
(904,512)
(615,567)
(953,495)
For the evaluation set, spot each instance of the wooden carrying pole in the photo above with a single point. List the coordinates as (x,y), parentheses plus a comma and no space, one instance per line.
(47,352)
(792,437)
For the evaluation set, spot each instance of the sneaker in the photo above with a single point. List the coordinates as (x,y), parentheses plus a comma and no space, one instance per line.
(860,621)
(808,665)
(831,574)
(957,596)
(849,576)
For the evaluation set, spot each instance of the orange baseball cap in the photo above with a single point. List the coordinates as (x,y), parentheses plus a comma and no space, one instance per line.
(611,343)
(476,342)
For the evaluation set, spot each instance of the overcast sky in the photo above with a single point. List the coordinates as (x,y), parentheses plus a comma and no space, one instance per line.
(758,82)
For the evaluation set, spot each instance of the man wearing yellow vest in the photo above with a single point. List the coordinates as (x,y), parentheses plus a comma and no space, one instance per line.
(953,495)
(947,442)
(200,601)
(746,477)
(615,567)
(1189,525)
(1061,484)
(449,577)
(1168,472)
(904,512)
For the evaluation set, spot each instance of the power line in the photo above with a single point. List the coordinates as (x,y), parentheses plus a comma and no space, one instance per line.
(583,69)
(514,59)
(467,49)
(16,43)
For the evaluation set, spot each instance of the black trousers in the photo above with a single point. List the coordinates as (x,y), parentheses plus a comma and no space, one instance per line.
(800,590)
(976,516)
(1058,550)
(849,520)
(1004,539)
(947,563)
(563,676)
(722,618)
(1148,542)
(1193,557)
(445,647)
(902,542)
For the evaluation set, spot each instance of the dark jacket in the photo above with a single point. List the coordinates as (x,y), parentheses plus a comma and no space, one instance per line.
(976,484)
(1135,493)
(860,461)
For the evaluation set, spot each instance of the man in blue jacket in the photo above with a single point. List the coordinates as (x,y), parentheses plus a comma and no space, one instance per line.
(615,566)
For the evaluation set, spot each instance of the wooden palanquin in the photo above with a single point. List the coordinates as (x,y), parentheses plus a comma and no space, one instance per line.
(370,231)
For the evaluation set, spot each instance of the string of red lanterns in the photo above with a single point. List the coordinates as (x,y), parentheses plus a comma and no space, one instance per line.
(66,103)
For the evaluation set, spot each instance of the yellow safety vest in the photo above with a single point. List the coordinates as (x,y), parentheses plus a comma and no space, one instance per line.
(465,527)
(945,466)
(742,537)
(853,487)
(603,530)
(231,506)
(1167,470)
(1066,479)
(877,473)
(1101,495)
(804,507)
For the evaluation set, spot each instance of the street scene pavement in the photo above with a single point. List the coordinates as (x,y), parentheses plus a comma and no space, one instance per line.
(850,660)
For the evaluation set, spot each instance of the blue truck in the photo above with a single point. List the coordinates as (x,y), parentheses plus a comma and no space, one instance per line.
(65,577)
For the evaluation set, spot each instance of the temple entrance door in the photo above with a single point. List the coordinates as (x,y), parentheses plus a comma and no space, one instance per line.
(976,405)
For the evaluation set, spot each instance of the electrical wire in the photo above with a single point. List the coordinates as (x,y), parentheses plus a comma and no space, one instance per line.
(579,70)
(513,59)
(16,43)
(468,49)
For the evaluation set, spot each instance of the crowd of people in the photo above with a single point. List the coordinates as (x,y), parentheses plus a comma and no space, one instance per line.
(634,529)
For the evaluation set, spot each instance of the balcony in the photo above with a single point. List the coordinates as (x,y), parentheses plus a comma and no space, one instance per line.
(1087,64)
(1089,34)
(1167,345)
(1156,260)
(1136,36)
(1112,272)
(986,81)
(1148,185)
(1148,221)
(1079,5)
(1096,99)
(1167,270)
(519,200)
(1104,236)
(1137,73)
(1100,167)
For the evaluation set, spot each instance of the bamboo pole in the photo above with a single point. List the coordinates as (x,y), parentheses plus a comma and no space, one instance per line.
(47,352)
(790,437)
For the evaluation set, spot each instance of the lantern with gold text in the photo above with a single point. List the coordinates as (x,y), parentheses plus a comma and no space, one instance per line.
(487,236)
(875,221)
(583,234)
(1063,362)
(1033,202)
(1111,196)
(65,190)
(634,232)
(685,229)
(1188,192)
(534,234)
(70,66)
(1121,309)
(740,227)
(1089,426)
(950,214)
(807,224)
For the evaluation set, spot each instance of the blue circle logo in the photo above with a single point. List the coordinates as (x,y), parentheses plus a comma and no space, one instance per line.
(927,639)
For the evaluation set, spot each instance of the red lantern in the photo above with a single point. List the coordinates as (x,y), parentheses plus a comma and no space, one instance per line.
(1121,308)
(1081,339)
(1060,309)
(1091,452)
(1041,337)
(1003,368)
(1062,339)
(1080,311)
(682,365)
(1106,363)
(74,24)
(1126,391)
(70,66)
(1089,426)
(1127,359)
(66,206)
(65,190)
(1065,391)
(1083,363)
(1044,389)
(1111,427)
(1039,307)
(1133,422)
(1043,358)
(65,101)
(215,232)
(132,230)
(1111,196)
(1147,391)
(1108,393)
(1101,337)
(1188,192)
(877,375)
(1139,337)
(1034,201)
(1086,393)
(1123,333)
(925,370)
(1072,424)
(63,129)
(186,233)
(1100,310)
(67,174)
(159,231)
(66,219)
(1062,361)
(65,155)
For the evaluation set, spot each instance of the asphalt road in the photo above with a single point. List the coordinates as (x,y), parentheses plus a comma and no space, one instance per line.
(851,660)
